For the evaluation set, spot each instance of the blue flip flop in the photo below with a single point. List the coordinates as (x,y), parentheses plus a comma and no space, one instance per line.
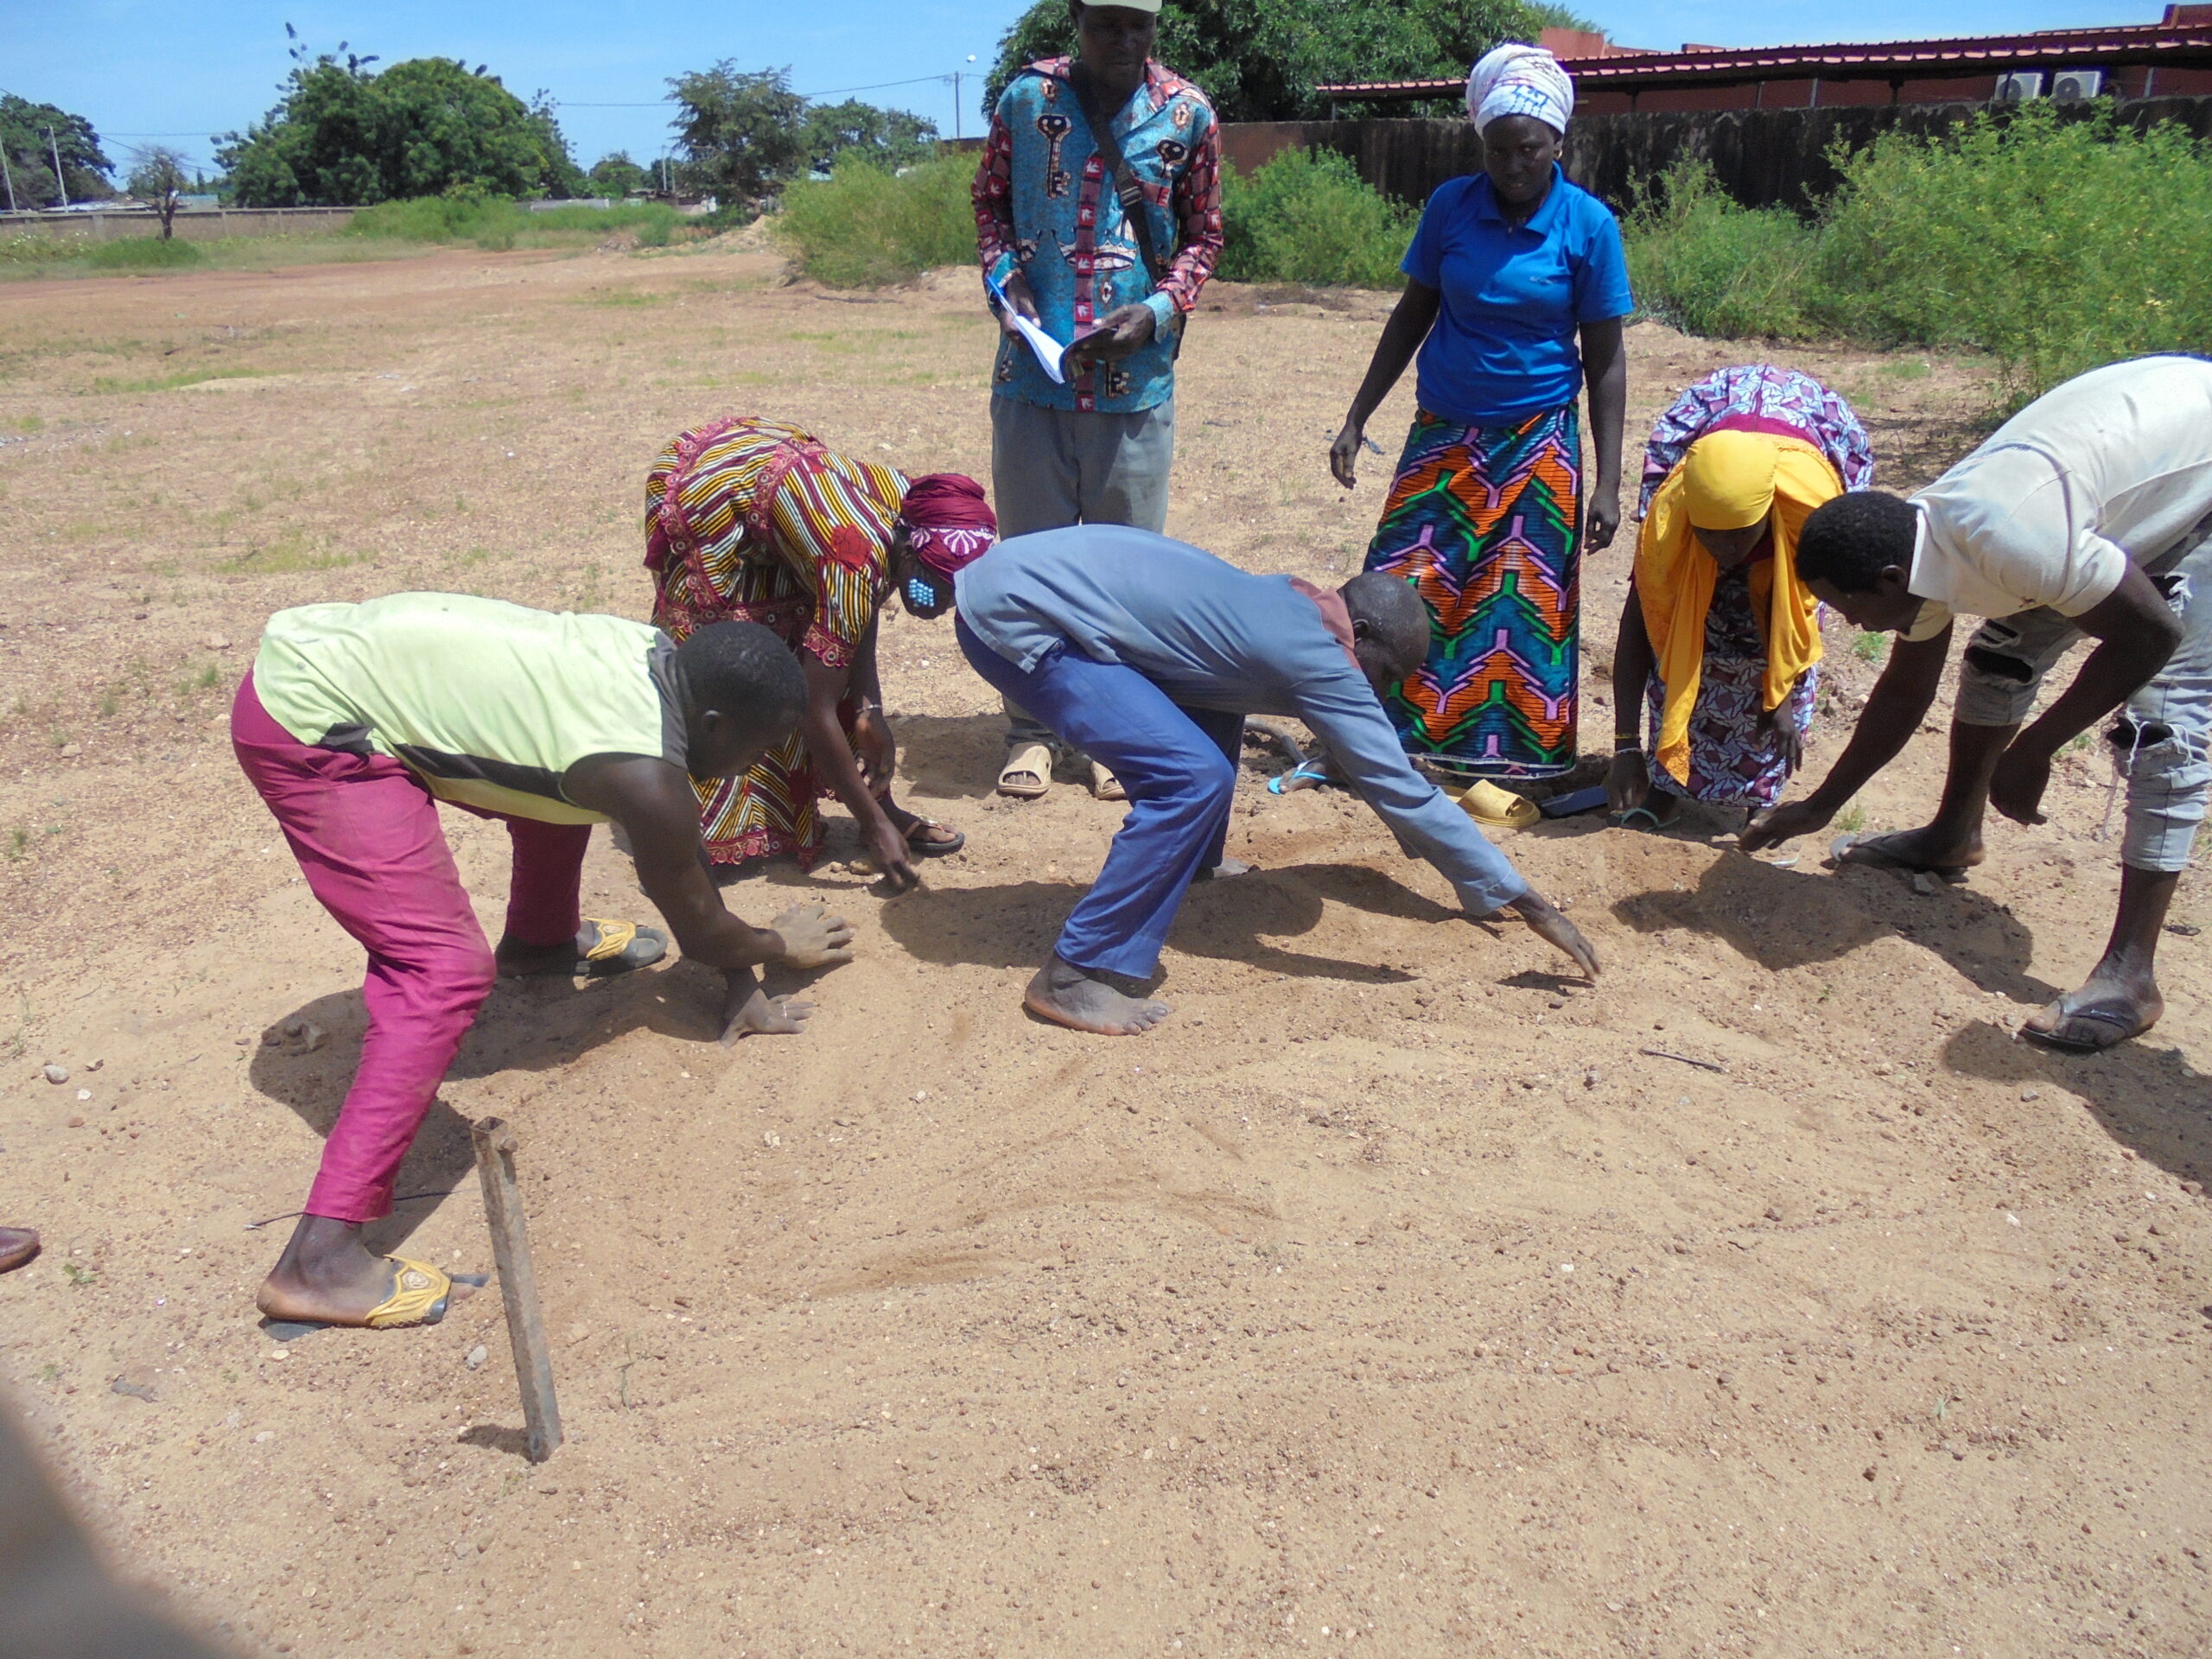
(1305,775)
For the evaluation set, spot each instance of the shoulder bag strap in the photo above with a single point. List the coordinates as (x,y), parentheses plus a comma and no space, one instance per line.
(1126,187)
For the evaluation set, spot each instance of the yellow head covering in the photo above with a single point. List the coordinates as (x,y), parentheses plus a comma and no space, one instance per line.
(1728,481)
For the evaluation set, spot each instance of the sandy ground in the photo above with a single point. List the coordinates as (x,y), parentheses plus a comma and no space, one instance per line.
(1395,1296)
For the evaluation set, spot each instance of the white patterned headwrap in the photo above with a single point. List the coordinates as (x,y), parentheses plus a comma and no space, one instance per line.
(1519,80)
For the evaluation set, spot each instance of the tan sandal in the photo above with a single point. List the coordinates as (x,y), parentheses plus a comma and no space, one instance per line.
(1028,773)
(1500,808)
(1105,785)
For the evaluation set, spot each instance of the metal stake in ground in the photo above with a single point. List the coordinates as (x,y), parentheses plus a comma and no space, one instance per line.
(495,1162)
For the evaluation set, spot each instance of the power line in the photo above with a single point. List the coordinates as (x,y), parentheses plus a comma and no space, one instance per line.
(833,92)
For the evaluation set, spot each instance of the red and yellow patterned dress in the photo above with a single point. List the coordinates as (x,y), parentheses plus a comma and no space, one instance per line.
(753,520)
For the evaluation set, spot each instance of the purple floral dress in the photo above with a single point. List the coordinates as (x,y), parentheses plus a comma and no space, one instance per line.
(1735,757)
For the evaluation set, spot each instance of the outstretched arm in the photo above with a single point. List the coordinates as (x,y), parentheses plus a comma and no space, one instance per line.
(826,742)
(1343,712)
(1411,319)
(1893,712)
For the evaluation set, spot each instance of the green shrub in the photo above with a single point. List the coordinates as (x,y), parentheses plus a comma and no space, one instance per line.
(1708,265)
(1306,216)
(142,253)
(2054,246)
(866,225)
(497,224)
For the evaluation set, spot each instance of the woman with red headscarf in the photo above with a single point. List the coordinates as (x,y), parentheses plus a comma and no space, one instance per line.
(756,521)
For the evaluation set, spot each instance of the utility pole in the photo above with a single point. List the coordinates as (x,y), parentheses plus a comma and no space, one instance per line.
(956,106)
(60,183)
(9,173)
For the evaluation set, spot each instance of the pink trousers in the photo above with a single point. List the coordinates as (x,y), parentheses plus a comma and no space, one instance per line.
(366,834)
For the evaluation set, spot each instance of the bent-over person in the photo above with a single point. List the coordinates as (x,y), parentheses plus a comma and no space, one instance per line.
(1149,653)
(2087,514)
(354,723)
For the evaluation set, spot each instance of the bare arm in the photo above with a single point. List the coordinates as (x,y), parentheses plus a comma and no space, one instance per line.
(1628,781)
(1605,366)
(2136,631)
(654,802)
(833,754)
(1411,319)
(1893,712)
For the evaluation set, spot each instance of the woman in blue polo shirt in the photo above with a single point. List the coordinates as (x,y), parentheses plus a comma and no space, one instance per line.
(1515,291)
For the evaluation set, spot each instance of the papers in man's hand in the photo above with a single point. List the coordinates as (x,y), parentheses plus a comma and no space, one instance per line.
(1050,352)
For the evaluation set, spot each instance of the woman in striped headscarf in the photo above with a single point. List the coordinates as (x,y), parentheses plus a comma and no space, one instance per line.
(1515,293)
(756,521)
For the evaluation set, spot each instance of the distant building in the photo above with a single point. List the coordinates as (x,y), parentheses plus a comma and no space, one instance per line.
(2168,58)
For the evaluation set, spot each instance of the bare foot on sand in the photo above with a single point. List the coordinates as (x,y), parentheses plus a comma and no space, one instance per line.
(1066,995)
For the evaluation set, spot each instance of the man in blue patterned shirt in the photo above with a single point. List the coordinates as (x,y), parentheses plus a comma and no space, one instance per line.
(1055,240)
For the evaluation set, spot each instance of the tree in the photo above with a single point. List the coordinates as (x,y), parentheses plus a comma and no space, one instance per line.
(744,132)
(159,178)
(1260,59)
(887,138)
(345,136)
(24,127)
(615,174)
(560,177)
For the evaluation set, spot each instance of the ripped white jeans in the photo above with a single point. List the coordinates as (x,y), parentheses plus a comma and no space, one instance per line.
(2158,737)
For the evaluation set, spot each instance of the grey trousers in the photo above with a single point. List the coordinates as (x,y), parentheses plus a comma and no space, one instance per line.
(1053,468)
(2158,736)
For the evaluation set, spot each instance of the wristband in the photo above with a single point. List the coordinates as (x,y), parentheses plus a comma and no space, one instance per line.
(1623,744)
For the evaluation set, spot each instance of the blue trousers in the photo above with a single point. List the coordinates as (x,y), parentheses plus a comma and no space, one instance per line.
(1179,767)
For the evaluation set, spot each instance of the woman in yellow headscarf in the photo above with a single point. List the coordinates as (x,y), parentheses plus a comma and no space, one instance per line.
(1719,643)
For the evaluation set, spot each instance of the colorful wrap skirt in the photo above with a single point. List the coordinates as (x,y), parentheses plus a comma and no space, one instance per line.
(1736,759)
(1486,522)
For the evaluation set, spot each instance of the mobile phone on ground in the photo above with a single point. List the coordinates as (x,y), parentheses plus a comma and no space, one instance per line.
(1566,806)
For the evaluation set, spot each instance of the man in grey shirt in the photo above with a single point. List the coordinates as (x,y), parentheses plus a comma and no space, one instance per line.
(1148,654)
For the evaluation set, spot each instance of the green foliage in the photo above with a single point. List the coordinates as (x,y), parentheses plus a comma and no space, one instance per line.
(1306,216)
(140,253)
(1870,647)
(1260,59)
(558,176)
(496,223)
(2054,244)
(346,135)
(1710,266)
(887,138)
(866,224)
(23,129)
(743,131)
(615,174)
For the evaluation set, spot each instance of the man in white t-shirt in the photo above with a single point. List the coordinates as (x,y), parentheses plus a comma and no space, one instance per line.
(2089,513)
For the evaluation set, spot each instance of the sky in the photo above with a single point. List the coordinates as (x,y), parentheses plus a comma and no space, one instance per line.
(177,72)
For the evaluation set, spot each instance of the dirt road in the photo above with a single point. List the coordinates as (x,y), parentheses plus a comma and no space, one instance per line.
(1395,1297)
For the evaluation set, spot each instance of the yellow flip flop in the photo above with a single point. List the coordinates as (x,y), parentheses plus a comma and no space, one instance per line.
(1498,809)
(418,1296)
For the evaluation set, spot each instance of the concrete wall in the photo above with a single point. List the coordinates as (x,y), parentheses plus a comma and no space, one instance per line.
(1764,158)
(202,226)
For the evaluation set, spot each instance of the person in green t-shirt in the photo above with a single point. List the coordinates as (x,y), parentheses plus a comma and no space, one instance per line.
(358,719)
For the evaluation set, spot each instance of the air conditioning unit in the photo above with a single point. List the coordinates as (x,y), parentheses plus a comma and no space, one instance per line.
(2017,88)
(2077,83)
